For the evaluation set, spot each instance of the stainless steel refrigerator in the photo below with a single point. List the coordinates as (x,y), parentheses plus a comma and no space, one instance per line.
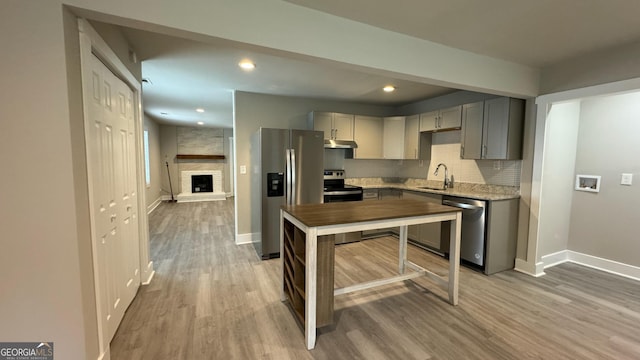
(287,169)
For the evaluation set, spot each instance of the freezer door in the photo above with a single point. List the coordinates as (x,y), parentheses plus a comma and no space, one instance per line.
(307,166)
(273,145)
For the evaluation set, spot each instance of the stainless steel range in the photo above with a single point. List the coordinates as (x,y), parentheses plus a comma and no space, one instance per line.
(335,190)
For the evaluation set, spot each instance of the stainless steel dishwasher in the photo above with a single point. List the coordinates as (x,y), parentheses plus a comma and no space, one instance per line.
(472,239)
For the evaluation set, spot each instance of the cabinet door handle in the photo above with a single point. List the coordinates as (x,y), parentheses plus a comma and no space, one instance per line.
(462,151)
(439,122)
(336,135)
(484,151)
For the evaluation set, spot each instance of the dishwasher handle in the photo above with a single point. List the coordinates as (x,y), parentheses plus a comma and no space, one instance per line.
(461,205)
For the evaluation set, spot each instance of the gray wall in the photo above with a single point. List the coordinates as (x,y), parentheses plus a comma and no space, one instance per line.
(596,68)
(46,270)
(154,190)
(559,161)
(192,140)
(604,224)
(253,111)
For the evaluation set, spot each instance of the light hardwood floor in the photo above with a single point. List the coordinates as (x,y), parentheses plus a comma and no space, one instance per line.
(211,299)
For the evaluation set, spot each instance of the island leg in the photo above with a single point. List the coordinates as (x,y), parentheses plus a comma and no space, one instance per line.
(283,296)
(402,251)
(311,279)
(454,258)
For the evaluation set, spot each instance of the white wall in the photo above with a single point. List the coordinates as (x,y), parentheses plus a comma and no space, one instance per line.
(604,224)
(558,177)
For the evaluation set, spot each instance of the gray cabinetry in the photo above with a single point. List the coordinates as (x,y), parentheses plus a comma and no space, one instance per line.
(502,234)
(471,134)
(425,234)
(393,137)
(417,145)
(380,194)
(336,126)
(497,135)
(443,119)
(367,133)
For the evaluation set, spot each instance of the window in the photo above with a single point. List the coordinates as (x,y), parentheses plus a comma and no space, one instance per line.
(147,170)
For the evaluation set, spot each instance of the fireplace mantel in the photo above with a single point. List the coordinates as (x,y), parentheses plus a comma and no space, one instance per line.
(199,157)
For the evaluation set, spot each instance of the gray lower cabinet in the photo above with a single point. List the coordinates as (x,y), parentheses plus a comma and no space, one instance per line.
(502,235)
(425,234)
(380,194)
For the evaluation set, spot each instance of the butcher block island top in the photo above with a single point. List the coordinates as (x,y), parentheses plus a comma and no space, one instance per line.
(313,215)
(307,251)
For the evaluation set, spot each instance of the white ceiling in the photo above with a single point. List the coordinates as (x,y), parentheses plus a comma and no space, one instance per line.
(186,74)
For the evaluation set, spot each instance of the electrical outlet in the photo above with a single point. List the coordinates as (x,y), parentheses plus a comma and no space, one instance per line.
(626,179)
(243,169)
(497,165)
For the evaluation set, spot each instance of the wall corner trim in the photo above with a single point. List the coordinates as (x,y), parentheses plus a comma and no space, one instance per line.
(248,238)
(531,269)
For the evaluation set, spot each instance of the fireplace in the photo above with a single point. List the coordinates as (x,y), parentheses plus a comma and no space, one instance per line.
(201,185)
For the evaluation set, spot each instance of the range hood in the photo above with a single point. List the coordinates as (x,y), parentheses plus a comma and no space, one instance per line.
(340,144)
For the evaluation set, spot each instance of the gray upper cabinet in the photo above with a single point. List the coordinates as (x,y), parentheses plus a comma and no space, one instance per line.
(368,133)
(411,136)
(393,137)
(471,135)
(497,134)
(417,145)
(502,133)
(443,119)
(336,126)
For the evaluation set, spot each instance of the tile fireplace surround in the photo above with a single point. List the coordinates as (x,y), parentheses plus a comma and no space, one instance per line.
(187,196)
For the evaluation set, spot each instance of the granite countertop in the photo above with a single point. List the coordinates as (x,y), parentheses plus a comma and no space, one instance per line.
(467,190)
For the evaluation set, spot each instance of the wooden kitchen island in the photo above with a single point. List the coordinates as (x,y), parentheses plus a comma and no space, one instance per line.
(307,251)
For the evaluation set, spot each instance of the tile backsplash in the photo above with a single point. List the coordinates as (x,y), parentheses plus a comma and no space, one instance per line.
(445,149)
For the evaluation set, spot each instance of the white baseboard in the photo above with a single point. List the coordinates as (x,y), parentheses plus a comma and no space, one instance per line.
(147,274)
(532,269)
(610,266)
(154,205)
(247,238)
(106,355)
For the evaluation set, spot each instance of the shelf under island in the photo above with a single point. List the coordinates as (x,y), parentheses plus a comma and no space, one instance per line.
(307,251)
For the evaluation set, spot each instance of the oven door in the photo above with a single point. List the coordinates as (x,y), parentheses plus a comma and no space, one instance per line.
(342,195)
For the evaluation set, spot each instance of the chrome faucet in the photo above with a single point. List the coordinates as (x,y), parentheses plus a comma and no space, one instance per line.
(447,182)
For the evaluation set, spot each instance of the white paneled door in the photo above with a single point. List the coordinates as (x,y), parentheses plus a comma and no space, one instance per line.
(111,158)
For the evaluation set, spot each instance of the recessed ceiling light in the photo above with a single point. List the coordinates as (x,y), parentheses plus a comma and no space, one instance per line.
(200,123)
(389,88)
(164,113)
(200,110)
(247,65)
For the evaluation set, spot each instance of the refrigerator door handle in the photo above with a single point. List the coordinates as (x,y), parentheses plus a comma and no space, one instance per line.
(292,171)
(287,176)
